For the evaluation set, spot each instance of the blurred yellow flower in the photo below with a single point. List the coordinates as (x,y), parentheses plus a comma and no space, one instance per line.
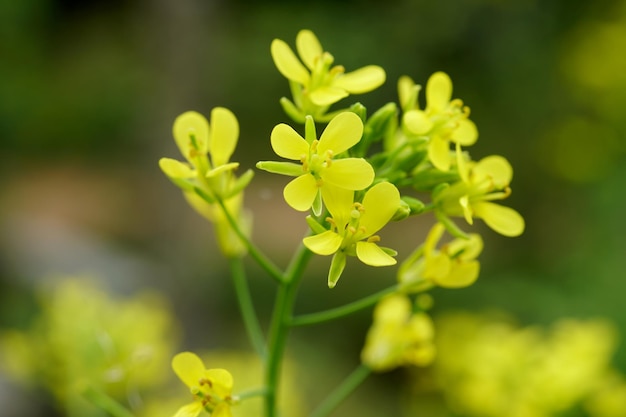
(452,266)
(211,388)
(398,336)
(443,120)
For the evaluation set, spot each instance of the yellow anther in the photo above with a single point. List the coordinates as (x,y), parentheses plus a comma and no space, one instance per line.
(352,229)
(314,145)
(374,238)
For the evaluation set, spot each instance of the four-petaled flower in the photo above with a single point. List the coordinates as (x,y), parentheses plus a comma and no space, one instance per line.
(443,120)
(211,388)
(318,83)
(452,266)
(321,163)
(481,182)
(353,227)
(398,336)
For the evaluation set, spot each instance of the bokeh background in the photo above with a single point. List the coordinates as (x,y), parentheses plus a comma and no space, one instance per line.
(89,91)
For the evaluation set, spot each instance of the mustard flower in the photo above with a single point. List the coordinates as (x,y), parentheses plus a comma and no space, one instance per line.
(443,120)
(321,164)
(211,388)
(452,266)
(353,227)
(398,336)
(481,182)
(207,150)
(318,83)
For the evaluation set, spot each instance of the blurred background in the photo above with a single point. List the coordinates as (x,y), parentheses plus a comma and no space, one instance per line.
(88,94)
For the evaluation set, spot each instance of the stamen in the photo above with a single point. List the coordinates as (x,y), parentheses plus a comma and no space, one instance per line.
(374,238)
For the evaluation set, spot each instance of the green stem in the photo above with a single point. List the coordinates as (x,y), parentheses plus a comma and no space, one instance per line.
(257,392)
(248,313)
(342,391)
(279,327)
(263,261)
(106,403)
(334,313)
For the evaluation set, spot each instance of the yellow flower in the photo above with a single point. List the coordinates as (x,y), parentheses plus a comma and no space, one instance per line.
(481,182)
(443,120)
(452,266)
(353,226)
(320,163)
(197,142)
(208,173)
(398,336)
(211,388)
(319,84)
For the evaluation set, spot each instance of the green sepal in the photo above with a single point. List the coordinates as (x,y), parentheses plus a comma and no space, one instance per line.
(431,178)
(389,251)
(379,125)
(283,168)
(204,195)
(315,225)
(309,129)
(317,204)
(359,110)
(416,206)
(402,212)
(337,265)
(450,225)
(240,184)
(291,110)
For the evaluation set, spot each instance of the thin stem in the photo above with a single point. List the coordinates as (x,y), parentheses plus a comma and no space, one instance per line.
(334,313)
(263,261)
(257,392)
(106,403)
(340,393)
(248,313)
(279,327)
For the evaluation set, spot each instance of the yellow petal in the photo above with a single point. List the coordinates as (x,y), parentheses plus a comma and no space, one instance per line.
(371,254)
(187,125)
(465,133)
(301,192)
(438,92)
(287,62)
(461,275)
(176,169)
(189,368)
(437,266)
(417,122)
(439,153)
(406,92)
(222,410)
(503,220)
(325,243)
(338,201)
(309,47)
(433,238)
(466,249)
(349,173)
(222,168)
(395,308)
(189,410)
(222,381)
(325,96)
(287,143)
(380,204)
(362,80)
(224,134)
(343,132)
(494,168)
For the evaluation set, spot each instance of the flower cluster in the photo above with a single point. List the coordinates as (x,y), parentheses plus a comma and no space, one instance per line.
(355,178)
(207,178)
